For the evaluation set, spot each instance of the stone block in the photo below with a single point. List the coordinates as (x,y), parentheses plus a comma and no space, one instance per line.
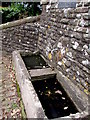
(64,21)
(53,19)
(77,35)
(86,16)
(87,3)
(81,10)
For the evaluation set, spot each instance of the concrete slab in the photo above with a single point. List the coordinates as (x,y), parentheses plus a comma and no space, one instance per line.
(41,73)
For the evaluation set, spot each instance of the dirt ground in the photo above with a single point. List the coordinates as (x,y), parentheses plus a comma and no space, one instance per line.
(9,100)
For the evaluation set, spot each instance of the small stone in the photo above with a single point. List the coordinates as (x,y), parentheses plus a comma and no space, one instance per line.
(65,21)
(86,36)
(69,54)
(85,47)
(77,79)
(43,66)
(78,73)
(61,32)
(4,37)
(72,34)
(63,51)
(28,42)
(48,49)
(67,70)
(86,16)
(59,63)
(75,45)
(64,60)
(59,45)
(78,15)
(82,23)
(53,19)
(87,79)
(85,69)
(86,53)
(68,63)
(19,40)
(85,62)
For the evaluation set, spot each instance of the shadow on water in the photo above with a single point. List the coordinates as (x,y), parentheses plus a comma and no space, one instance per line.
(34,62)
(54,99)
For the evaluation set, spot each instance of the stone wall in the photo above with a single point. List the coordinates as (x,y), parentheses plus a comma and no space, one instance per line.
(64,39)
(20,35)
(62,35)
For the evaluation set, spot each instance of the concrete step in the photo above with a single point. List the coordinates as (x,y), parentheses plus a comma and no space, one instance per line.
(39,74)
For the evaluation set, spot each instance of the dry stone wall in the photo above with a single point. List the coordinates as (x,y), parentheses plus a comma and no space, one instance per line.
(65,40)
(21,36)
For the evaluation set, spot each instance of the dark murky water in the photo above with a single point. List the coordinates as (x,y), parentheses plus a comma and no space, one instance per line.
(34,62)
(54,99)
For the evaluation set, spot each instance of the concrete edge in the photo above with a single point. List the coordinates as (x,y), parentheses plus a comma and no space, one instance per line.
(76,96)
(19,22)
(31,102)
(84,112)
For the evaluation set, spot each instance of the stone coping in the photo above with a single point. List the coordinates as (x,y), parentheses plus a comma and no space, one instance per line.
(19,22)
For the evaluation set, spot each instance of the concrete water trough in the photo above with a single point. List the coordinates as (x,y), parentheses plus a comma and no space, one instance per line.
(47,93)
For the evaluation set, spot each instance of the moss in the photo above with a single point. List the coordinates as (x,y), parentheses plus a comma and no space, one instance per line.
(23,113)
(22,110)
(18,90)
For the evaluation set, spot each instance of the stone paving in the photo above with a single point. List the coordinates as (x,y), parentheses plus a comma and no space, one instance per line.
(9,100)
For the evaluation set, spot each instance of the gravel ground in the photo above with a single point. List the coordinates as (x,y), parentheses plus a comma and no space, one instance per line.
(9,100)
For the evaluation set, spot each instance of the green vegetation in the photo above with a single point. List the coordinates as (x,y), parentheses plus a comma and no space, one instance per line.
(18,90)
(23,113)
(14,106)
(19,10)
